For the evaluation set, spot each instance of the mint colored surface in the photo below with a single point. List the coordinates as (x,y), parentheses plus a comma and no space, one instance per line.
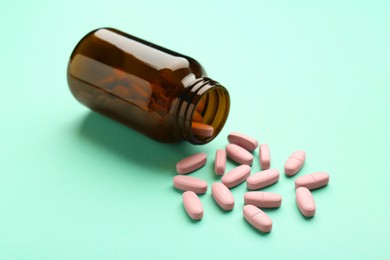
(310,75)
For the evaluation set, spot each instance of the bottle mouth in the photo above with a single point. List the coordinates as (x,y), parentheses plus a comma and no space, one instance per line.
(202,111)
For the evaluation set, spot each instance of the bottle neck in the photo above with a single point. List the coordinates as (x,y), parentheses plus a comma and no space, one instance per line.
(203,101)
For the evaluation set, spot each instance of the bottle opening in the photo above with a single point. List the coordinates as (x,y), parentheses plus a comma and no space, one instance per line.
(203,111)
(209,115)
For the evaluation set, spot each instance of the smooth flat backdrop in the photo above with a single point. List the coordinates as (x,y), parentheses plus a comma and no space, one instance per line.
(311,75)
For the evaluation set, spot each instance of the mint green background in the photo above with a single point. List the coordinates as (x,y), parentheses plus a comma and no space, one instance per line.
(311,75)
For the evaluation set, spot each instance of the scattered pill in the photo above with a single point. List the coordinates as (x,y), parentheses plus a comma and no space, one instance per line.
(191,163)
(236,176)
(262,179)
(222,195)
(192,205)
(238,150)
(294,163)
(264,156)
(188,183)
(239,154)
(243,140)
(220,162)
(263,199)
(257,218)
(201,129)
(312,181)
(305,202)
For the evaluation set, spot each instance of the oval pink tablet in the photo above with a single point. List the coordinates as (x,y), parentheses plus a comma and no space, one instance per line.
(294,163)
(262,179)
(220,162)
(188,183)
(191,163)
(192,205)
(264,156)
(242,140)
(305,202)
(257,218)
(263,199)
(201,129)
(223,196)
(236,176)
(239,154)
(312,181)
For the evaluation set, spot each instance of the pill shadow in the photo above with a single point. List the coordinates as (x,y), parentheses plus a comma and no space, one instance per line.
(186,216)
(268,210)
(256,230)
(132,146)
(226,212)
(304,217)
(200,195)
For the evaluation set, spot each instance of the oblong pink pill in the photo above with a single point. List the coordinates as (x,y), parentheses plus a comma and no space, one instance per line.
(223,196)
(247,142)
(188,183)
(262,179)
(192,205)
(191,163)
(305,202)
(312,181)
(201,129)
(220,162)
(236,176)
(257,218)
(239,154)
(264,156)
(294,163)
(263,199)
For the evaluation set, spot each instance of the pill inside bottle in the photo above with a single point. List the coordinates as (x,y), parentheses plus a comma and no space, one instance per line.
(158,92)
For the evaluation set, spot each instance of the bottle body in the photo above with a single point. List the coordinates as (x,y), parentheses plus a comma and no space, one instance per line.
(151,89)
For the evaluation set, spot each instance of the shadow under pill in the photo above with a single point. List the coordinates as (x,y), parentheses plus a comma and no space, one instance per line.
(186,216)
(308,218)
(130,145)
(219,208)
(179,191)
(256,230)
(270,209)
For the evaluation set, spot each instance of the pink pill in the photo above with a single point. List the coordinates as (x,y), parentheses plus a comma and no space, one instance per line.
(305,202)
(242,140)
(223,196)
(188,183)
(294,163)
(312,181)
(262,179)
(201,129)
(192,205)
(191,163)
(220,162)
(264,156)
(263,199)
(239,154)
(257,218)
(236,176)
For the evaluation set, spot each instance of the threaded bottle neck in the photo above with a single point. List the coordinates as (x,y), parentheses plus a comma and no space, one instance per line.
(203,101)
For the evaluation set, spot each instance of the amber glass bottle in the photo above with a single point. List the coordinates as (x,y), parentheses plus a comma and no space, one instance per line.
(160,93)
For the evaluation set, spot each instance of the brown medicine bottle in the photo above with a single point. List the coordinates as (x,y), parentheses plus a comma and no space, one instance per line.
(156,91)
